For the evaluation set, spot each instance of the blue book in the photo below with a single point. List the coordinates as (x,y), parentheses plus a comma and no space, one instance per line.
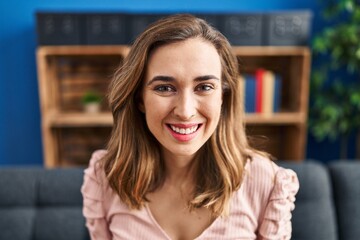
(277,93)
(250,93)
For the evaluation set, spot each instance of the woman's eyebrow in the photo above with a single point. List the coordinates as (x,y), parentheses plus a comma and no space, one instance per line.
(161,79)
(206,77)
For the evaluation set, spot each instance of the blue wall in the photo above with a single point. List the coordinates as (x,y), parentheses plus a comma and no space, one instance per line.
(20,133)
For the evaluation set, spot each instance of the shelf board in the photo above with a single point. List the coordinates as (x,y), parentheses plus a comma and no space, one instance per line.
(105,119)
(80,120)
(83,50)
(264,51)
(275,118)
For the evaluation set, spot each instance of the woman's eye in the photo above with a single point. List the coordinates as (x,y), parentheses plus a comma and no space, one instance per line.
(164,88)
(204,88)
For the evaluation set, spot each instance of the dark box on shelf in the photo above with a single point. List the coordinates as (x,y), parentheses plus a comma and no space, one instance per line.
(107,28)
(242,29)
(287,28)
(60,28)
(139,22)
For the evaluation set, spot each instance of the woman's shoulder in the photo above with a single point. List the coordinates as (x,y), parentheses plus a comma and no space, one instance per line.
(276,189)
(260,167)
(267,187)
(94,174)
(266,176)
(96,157)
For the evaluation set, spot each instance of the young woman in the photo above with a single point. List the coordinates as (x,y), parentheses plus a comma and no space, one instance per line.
(178,165)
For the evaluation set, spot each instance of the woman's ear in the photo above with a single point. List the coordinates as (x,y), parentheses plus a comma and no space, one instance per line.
(140,103)
(139,100)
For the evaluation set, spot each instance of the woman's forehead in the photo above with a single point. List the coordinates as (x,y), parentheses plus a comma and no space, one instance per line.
(194,57)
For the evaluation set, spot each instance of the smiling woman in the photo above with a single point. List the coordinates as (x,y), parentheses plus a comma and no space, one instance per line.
(183,81)
(178,165)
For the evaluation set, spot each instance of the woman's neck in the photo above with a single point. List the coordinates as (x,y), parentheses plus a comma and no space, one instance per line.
(180,171)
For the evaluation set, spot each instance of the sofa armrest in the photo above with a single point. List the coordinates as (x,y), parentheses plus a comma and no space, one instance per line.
(345,177)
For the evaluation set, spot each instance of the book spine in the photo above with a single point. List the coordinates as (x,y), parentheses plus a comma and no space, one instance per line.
(259,89)
(250,93)
(268,93)
(277,93)
(242,91)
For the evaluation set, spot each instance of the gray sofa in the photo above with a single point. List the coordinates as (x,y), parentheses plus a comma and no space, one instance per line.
(38,204)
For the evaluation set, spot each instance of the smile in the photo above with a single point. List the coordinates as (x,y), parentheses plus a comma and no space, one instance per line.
(184,131)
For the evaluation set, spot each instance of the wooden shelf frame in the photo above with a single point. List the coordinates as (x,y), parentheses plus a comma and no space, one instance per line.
(50,105)
(105,119)
(288,127)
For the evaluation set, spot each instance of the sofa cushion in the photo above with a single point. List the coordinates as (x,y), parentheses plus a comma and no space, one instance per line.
(18,187)
(314,215)
(41,204)
(17,223)
(60,187)
(60,223)
(345,177)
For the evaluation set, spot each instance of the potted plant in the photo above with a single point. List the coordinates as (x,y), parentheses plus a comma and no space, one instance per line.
(91,101)
(335,109)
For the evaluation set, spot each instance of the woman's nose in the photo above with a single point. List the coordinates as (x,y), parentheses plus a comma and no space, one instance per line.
(185,106)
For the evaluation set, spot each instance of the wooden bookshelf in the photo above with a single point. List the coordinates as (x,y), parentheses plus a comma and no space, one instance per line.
(70,135)
(282,134)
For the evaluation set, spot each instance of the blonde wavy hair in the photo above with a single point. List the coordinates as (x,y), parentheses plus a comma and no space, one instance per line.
(133,163)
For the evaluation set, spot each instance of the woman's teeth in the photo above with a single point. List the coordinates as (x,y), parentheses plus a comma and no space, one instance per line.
(184,130)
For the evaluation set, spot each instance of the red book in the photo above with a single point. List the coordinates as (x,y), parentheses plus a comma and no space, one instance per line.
(259,89)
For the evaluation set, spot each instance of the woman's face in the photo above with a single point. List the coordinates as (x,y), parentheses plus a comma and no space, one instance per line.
(182,95)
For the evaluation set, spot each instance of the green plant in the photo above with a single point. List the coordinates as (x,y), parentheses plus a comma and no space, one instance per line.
(335,104)
(91,96)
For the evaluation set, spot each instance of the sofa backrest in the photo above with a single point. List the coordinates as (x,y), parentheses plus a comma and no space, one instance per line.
(345,176)
(41,205)
(38,204)
(314,217)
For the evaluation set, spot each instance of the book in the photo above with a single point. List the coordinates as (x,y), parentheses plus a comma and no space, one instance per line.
(250,92)
(259,89)
(277,93)
(267,99)
(241,89)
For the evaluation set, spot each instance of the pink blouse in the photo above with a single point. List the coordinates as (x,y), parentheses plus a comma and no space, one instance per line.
(260,209)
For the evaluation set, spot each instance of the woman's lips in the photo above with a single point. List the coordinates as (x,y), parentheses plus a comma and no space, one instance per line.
(184,132)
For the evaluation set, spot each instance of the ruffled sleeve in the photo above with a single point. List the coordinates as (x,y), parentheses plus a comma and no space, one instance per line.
(93,200)
(276,223)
